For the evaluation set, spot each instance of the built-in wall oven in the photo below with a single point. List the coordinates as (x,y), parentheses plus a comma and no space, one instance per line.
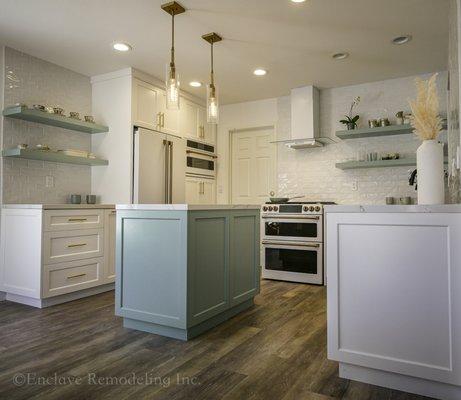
(200,159)
(292,242)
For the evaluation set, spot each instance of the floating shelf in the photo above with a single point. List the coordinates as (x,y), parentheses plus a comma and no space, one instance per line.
(61,121)
(53,156)
(401,162)
(390,130)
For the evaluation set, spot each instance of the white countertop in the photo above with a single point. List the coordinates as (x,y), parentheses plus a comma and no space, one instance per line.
(185,207)
(57,206)
(441,208)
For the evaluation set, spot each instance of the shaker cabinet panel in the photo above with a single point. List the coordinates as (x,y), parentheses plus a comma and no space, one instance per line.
(146,105)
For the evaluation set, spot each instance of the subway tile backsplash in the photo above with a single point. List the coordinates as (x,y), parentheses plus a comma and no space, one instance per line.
(312,172)
(31,81)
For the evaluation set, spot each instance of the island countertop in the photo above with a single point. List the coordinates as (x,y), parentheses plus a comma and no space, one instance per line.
(359,208)
(65,206)
(186,207)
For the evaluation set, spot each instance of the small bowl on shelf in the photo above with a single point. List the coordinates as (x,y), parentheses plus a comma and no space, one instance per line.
(89,118)
(22,146)
(58,110)
(74,115)
(39,107)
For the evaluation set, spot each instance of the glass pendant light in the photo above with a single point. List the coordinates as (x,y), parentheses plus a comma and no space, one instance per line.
(172,77)
(212,105)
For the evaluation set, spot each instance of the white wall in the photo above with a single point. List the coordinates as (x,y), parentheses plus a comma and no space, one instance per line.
(237,116)
(312,172)
(112,107)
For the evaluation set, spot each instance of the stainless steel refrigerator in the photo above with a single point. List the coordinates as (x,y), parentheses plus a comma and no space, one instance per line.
(159,168)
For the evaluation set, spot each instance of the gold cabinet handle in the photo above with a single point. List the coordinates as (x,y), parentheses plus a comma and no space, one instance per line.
(113,212)
(75,276)
(163,120)
(159,119)
(76,245)
(76,219)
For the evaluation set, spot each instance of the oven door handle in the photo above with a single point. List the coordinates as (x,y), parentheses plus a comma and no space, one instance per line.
(314,217)
(315,245)
(201,154)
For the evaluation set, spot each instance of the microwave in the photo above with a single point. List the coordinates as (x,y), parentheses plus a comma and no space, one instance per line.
(200,159)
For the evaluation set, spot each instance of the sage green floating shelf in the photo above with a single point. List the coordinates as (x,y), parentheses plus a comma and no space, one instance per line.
(52,156)
(61,121)
(401,162)
(390,130)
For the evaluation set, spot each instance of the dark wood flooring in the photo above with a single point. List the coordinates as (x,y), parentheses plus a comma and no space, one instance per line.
(79,350)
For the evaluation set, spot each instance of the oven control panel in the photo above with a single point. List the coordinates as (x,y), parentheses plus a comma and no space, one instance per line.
(292,208)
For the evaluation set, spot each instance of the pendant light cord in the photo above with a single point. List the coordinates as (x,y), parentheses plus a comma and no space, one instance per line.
(212,72)
(172,41)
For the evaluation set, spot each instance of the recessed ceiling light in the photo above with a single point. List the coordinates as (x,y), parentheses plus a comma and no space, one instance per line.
(260,72)
(401,39)
(340,56)
(195,84)
(120,46)
(298,1)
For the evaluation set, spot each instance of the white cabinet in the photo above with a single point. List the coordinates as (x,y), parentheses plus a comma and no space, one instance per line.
(146,105)
(394,297)
(48,253)
(200,190)
(169,119)
(193,123)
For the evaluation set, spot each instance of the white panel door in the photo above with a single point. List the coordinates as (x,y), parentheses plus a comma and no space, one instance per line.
(146,105)
(253,166)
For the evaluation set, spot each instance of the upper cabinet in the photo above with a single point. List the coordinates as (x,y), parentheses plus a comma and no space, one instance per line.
(149,111)
(193,123)
(146,105)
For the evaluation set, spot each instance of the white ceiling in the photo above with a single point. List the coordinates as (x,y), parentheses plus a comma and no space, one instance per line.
(293,41)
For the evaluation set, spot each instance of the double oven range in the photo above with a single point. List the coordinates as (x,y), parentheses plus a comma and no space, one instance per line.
(292,242)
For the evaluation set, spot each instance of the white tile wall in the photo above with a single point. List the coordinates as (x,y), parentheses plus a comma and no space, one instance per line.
(454,181)
(33,81)
(312,172)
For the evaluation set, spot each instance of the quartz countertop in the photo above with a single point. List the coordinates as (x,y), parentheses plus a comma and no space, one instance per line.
(185,207)
(439,208)
(57,206)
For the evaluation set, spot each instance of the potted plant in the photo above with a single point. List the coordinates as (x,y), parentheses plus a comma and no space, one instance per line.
(350,121)
(427,125)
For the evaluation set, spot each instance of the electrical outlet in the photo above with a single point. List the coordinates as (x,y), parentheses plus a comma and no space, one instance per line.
(355,186)
(49,181)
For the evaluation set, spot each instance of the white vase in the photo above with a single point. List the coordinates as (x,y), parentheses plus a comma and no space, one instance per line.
(429,162)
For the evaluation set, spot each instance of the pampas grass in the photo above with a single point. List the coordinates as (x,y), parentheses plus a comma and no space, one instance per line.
(425,109)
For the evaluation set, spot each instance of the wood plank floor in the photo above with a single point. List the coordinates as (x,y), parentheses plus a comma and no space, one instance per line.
(79,350)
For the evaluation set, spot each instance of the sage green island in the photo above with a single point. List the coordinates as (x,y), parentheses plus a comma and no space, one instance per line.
(183,269)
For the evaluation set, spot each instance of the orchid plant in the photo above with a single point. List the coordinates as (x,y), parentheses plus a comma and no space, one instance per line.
(349,120)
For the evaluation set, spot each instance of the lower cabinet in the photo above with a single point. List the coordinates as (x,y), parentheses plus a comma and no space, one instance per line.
(49,253)
(200,190)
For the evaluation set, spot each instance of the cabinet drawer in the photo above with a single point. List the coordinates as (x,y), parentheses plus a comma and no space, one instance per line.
(63,220)
(72,245)
(71,276)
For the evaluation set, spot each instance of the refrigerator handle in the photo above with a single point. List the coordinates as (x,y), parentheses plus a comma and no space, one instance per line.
(166,177)
(170,170)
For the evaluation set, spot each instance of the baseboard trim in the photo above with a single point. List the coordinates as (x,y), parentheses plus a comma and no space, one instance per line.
(191,332)
(405,383)
(64,298)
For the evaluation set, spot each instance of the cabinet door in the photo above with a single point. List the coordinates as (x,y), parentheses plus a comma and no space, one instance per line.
(110,221)
(146,107)
(208,265)
(244,256)
(205,131)
(169,119)
(188,119)
(192,190)
(208,191)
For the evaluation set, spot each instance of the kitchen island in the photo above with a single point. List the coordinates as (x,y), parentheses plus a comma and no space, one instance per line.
(183,269)
(394,296)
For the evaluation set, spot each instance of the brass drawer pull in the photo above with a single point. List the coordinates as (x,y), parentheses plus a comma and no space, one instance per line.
(75,276)
(76,245)
(76,219)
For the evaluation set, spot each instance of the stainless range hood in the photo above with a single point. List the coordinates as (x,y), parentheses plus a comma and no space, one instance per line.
(305,119)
